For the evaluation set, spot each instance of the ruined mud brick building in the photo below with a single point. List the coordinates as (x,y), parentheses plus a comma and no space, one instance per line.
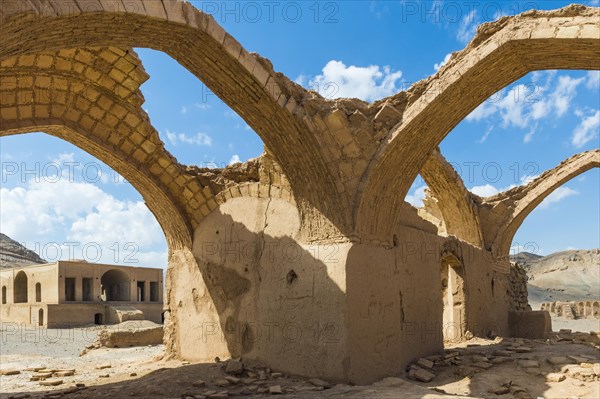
(306,259)
(71,293)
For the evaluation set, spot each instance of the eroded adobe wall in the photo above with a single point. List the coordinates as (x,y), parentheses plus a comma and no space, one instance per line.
(255,287)
(518,288)
(279,301)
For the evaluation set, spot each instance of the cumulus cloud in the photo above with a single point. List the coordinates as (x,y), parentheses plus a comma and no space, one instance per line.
(486,190)
(468,27)
(235,158)
(416,197)
(523,105)
(197,139)
(593,80)
(558,195)
(587,130)
(367,83)
(77,215)
(437,66)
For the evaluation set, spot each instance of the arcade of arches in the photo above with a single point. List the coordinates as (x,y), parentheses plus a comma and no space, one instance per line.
(306,259)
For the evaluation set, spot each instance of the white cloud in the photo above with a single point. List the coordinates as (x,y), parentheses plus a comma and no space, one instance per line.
(486,190)
(587,130)
(468,27)
(235,158)
(593,80)
(416,198)
(367,83)
(437,66)
(197,139)
(486,134)
(558,195)
(201,106)
(55,213)
(523,105)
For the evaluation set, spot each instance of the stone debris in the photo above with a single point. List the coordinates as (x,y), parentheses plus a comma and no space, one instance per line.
(10,372)
(275,390)
(529,363)
(320,383)
(555,377)
(558,360)
(234,367)
(419,374)
(221,382)
(199,384)
(427,364)
(51,382)
(103,366)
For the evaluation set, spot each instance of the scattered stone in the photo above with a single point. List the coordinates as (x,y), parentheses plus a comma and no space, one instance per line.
(426,364)
(19,396)
(234,367)
(276,375)
(479,358)
(40,376)
(529,363)
(104,376)
(469,335)
(35,368)
(275,390)
(420,374)
(221,382)
(558,360)
(51,383)
(523,349)
(555,377)
(10,372)
(483,365)
(133,375)
(232,379)
(103,366)
(533,371)
(219,395)
(199,384)
(320,383)
(64,373)
(577,359)
(501,391)
(501,359)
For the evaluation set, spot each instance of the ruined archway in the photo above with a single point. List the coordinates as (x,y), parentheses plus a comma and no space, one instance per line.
(510,208)
(245,82)
(116,286)
(451,198)
(513,46)
(20,288)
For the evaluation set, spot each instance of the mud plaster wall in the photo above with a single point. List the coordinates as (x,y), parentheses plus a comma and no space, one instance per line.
(342,311)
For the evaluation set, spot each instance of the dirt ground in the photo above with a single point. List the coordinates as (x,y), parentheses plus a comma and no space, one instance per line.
(501,368)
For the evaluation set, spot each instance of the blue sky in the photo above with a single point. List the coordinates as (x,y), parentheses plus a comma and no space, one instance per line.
(367,49)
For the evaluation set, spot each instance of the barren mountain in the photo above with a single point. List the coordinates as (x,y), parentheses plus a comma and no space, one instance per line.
(13,254)
(562,276)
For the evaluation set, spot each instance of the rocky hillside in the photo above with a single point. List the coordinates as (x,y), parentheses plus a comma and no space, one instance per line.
(562,276)
(13,254)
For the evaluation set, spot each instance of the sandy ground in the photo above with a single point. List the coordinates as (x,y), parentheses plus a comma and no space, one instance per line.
(141,372)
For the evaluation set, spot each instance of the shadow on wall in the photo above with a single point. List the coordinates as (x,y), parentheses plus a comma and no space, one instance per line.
(277,301)
(343,312)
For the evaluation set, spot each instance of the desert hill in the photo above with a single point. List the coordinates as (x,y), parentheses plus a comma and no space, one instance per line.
(13,254)
(562,276)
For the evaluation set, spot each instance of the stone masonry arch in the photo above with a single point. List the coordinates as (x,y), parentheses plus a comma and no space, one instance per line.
(501,52)
(503,213)
(454,201)
(98,117)
(244,81)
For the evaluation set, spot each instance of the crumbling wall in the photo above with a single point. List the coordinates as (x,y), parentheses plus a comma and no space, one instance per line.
(518,288)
